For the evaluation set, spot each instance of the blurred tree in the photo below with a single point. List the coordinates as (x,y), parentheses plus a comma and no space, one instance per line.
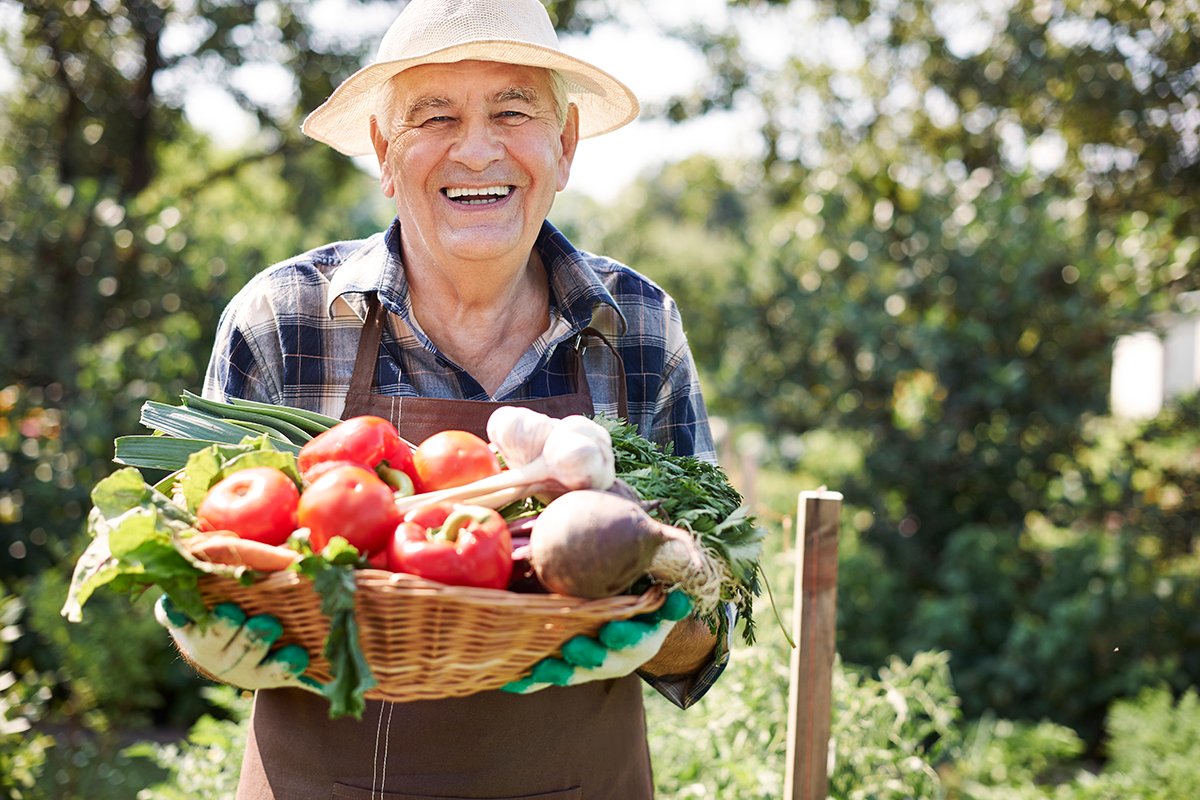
(958,208)
(123,232)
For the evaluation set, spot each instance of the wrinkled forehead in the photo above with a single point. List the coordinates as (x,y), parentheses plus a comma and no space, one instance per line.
(461,81)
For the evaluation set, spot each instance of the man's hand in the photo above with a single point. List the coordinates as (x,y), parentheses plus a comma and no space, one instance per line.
(231,648)
(620,648)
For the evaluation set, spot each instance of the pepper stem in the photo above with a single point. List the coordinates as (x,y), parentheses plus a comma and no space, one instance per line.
(460,517)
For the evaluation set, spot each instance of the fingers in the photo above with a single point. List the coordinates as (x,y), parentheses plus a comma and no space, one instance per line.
(285,666)
(236,648)
(168,614)
(251,638)
(584,651)
(620,648)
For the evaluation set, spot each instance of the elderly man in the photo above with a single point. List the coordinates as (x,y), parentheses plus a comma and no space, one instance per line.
(470,300)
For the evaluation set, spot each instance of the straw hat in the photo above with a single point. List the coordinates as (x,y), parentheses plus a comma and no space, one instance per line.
(445,31)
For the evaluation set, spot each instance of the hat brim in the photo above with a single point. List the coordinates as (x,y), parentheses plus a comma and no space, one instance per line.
(341,122)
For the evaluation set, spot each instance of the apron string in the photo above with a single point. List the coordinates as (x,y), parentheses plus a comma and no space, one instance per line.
(581,381)
(362,380)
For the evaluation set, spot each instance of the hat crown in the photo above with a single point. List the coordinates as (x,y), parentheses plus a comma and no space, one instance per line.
(448,31)
(426,26)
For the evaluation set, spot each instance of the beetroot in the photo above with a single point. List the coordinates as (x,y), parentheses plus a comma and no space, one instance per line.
(596,544)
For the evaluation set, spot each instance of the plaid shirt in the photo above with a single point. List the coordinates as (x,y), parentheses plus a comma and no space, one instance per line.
(290,337)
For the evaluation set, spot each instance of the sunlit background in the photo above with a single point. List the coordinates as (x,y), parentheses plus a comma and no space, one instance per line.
(939,255)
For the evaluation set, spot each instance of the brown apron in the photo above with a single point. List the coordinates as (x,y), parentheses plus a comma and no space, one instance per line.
(584,742)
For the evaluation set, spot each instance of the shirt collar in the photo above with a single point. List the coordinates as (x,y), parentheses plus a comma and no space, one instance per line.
(374,267)
(575,288)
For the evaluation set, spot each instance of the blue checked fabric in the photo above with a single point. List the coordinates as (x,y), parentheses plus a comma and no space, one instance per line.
(290,337)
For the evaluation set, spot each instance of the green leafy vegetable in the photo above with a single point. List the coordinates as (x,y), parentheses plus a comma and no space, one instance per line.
(271,424)
(310,421)
(189,423)
(167,453)
(332,572)
(180,431)
(697,496)
(133,528)
(205,467)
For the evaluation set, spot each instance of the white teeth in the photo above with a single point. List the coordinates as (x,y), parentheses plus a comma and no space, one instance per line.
(489,191)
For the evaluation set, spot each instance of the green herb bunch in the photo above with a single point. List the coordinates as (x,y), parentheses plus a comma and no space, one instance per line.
(695,495)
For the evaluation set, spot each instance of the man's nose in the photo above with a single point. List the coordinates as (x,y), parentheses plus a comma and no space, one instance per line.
(478,145)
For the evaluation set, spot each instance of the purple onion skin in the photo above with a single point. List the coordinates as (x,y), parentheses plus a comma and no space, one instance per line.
(524,577)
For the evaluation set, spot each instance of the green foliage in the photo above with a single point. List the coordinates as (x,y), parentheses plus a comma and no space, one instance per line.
(207,764)
(1152,744)
(1139,475)
(1045,624)
(22,704)
(732,744)
(1004,760)
(891,732)
(907,265)
(111,674)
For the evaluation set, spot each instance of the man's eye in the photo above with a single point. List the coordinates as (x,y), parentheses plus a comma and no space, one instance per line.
(512,115)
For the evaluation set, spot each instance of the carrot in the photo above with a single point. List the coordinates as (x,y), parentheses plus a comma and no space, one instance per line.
(227,548)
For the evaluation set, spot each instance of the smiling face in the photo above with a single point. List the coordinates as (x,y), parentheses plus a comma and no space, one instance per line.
(473,157)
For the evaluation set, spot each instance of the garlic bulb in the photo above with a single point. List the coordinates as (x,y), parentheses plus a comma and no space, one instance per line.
(588,427)
(519,433)
(577,461)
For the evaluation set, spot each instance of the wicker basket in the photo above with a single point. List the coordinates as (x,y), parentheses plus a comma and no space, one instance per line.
(426,640)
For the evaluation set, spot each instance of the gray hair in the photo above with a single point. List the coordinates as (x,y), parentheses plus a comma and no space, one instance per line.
(386,108)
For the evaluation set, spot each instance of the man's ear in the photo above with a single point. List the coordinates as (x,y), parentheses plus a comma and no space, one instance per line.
(569,140)
(386,180)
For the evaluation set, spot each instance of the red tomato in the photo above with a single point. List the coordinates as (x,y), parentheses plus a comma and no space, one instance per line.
(352,502)
(364,440)
(452,458)
(257,503)
(321,467)
(382,559)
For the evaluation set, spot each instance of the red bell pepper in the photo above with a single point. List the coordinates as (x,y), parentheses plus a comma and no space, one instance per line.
(371,441)
(458,545)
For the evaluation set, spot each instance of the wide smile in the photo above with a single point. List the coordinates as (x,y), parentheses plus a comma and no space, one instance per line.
(481,196)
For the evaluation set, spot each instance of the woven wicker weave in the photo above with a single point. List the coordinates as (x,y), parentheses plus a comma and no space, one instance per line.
(425,640)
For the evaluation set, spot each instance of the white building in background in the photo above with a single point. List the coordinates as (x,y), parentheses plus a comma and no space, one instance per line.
(1151,368)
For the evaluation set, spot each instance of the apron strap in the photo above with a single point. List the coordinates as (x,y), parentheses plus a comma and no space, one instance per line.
(362,380)
(581,375)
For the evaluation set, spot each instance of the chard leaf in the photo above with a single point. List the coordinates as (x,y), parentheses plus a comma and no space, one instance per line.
(332,573)
(133,528)
(96,567)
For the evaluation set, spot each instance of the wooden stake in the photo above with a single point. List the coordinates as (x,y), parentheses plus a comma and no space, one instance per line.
(810,695)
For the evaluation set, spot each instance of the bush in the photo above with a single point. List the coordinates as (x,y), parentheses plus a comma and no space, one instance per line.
(1043,624)
(889,734)
(1154,743)
(208,763)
